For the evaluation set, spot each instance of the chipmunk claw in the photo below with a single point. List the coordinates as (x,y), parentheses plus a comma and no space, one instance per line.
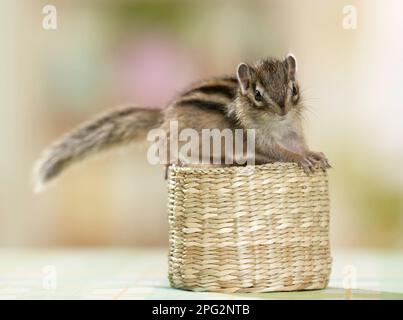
(307,164)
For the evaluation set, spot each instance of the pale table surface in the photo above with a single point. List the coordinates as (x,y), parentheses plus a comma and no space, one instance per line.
(127,273)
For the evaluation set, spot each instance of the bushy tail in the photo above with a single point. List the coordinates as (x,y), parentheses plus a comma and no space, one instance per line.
(113,128)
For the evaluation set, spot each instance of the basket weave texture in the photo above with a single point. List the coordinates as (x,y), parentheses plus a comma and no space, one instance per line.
(248,229)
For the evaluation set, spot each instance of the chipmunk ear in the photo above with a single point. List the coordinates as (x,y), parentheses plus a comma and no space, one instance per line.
(244,76)
(291,62)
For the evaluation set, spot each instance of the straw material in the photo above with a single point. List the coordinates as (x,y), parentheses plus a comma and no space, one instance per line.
(248,229)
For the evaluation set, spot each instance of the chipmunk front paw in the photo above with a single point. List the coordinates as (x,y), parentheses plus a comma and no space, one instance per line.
(307,163)
(320,159)
(310,161)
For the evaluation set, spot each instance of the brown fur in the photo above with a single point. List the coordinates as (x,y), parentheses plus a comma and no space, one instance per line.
(222,103)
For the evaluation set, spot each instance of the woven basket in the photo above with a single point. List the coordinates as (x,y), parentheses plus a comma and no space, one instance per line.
(248,229)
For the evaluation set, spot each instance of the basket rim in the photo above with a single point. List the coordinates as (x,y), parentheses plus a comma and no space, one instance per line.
(235,169)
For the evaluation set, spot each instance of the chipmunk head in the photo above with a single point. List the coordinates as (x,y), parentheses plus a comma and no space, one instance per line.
(269,88)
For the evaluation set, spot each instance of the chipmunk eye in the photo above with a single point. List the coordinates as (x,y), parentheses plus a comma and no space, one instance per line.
(294,90)
(258,96)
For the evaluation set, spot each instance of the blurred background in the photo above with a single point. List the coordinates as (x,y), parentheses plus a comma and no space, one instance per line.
(110,53)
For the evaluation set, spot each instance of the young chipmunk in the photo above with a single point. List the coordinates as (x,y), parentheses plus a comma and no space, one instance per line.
(264,96)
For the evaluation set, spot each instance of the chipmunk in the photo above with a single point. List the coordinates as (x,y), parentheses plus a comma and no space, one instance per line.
(264,96)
